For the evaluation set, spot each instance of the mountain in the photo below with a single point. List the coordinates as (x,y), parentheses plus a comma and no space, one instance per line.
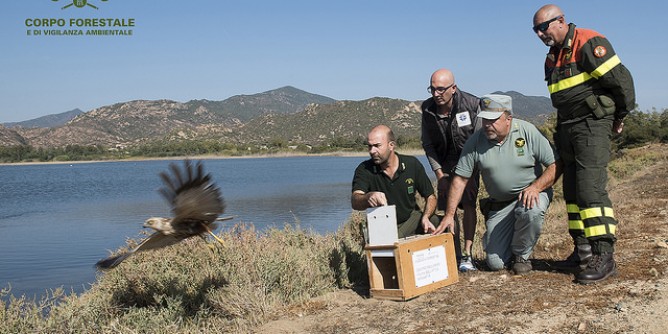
(9,137)
(350,120)
(534,109)
(285,115)
(48,121)
(285,100)
(140,121)
(320,124)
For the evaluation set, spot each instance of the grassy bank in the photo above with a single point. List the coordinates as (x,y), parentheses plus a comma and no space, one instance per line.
(197,286)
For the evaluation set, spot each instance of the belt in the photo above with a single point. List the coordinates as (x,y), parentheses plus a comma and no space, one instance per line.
(488,204)
(580,111)
(496,206)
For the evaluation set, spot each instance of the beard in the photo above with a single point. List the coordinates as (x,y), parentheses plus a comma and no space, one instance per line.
(491,135)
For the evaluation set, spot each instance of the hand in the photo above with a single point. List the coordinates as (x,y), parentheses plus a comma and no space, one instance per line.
(617,126)
(443,185)
(529,196)
(427,225)
(376,198)
(447,224)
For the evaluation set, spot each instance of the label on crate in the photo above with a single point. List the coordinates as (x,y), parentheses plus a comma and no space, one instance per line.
(430,266)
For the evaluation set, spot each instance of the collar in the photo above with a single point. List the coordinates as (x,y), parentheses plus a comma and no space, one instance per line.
(400,169)
(568,40)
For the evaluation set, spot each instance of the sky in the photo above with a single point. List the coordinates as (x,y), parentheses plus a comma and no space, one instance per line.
(343,49)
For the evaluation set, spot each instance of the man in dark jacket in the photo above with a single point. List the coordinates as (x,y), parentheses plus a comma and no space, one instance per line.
(593,92)
(449,118)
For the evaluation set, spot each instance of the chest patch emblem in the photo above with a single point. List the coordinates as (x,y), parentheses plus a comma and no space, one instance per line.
(463,119)
(600,51)
(409,184)
(519,146)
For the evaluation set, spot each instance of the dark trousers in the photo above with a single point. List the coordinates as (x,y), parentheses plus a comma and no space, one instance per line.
(584,148)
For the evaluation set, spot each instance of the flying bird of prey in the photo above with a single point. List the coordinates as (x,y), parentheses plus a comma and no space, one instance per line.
(196,203)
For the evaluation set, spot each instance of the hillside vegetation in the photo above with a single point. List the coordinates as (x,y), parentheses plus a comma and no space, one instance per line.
(281,120)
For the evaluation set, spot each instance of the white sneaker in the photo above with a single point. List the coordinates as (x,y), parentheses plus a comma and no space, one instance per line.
(466,264)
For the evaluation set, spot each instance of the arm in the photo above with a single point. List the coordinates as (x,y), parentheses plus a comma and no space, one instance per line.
(427,143)
(429,208)
(457,186)
(362,201)
(612,75)
(529,195)
(544,154)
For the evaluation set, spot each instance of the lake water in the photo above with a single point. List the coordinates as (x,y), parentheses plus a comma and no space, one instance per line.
(57,220)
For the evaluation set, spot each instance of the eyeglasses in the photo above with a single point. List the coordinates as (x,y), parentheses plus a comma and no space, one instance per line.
(543,26)
(438,90)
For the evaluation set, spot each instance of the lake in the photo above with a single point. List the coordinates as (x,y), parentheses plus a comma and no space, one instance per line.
(57,220)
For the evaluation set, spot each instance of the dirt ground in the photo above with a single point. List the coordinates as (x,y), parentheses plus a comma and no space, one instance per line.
(544,301)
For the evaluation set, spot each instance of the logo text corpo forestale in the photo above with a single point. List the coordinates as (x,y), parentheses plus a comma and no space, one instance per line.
(79,26)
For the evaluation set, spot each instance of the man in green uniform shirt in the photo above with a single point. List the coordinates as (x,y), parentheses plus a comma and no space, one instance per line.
(592,92)
(389,178)
(510,154)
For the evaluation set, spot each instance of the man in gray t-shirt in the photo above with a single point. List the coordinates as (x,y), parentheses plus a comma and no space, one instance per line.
(510,155)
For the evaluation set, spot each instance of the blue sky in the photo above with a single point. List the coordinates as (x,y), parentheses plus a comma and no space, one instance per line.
(345,49)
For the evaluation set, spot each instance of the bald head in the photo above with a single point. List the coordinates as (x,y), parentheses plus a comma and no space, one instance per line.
(380,143)
(550,25)
(382,131)
(443,77)
(442,88)
(546,12)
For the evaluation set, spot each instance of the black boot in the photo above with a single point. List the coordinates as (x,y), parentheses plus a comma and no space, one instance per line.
(600,267)
(578,260)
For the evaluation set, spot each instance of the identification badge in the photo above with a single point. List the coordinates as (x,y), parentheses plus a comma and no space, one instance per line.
(463,119)
(519,145)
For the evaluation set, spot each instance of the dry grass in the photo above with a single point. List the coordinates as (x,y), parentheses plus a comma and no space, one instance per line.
(193,285)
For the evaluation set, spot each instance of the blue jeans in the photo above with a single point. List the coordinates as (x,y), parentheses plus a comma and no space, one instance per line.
(514,231)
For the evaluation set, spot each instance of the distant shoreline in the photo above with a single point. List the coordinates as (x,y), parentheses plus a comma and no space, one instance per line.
(211,157)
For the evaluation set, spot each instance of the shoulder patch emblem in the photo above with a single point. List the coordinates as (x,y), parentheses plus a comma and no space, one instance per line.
(520,142)
(600,51)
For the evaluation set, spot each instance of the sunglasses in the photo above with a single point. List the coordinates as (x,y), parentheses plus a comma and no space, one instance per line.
(543,26)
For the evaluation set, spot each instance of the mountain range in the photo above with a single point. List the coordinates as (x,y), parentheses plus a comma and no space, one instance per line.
(285,114)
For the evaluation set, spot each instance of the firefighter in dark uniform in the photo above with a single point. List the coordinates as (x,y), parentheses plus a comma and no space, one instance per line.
(592,92)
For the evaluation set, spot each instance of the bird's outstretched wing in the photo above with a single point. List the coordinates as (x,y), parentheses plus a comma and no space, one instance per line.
(155,240)
(196,203)
(191,193)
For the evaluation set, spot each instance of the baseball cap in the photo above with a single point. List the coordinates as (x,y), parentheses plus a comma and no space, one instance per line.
(493,106)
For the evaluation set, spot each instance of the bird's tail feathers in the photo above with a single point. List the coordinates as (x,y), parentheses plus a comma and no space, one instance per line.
(112,261)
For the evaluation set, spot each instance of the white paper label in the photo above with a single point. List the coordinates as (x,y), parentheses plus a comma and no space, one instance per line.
(430,266)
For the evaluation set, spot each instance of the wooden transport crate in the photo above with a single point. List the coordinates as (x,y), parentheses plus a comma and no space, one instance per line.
(411,266)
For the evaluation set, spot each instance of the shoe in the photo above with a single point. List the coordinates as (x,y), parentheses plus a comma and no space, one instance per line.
(600,267)
(578,260)
(466,264)
(521,266)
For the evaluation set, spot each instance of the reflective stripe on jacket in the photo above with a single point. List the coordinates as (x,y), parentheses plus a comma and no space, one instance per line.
(587,64)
